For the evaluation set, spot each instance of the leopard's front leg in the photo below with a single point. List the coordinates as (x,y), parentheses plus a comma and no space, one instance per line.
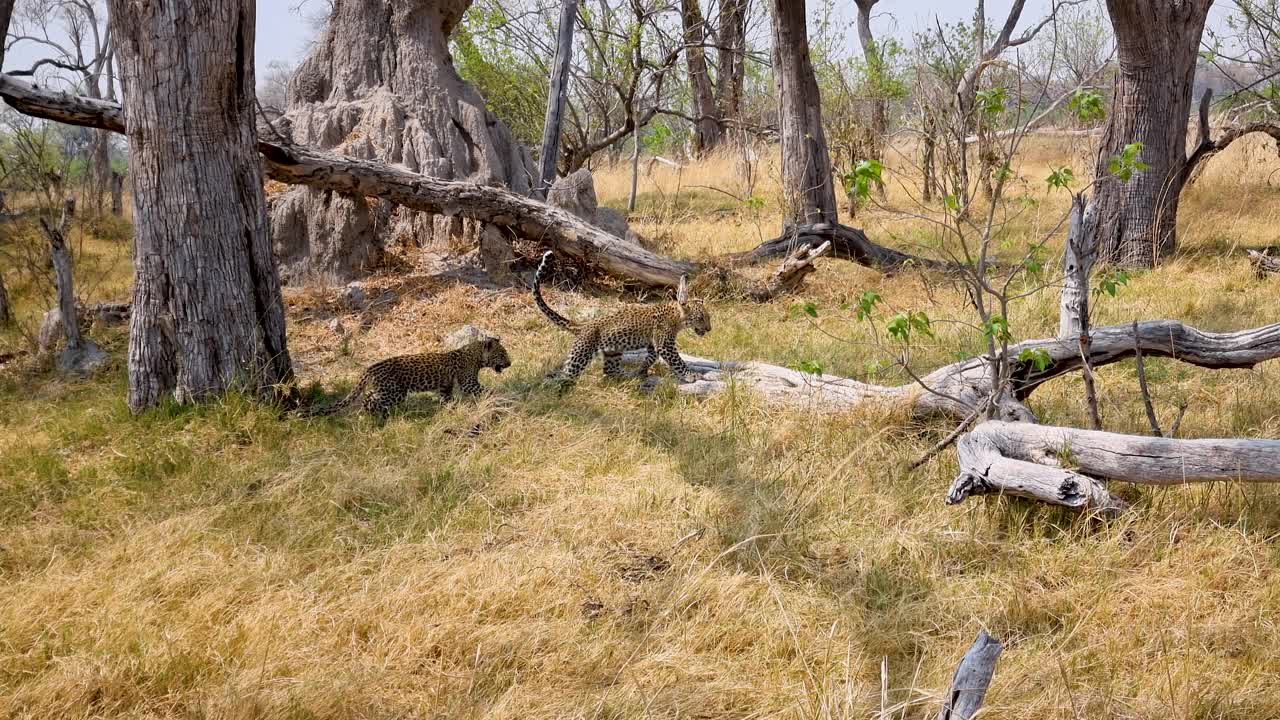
(671,356)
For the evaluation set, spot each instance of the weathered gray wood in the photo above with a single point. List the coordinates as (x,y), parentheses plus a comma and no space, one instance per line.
(1059,465)
(207,310)
(1263,263)
(958,389)
(556,97)
(973,677)
(80,355)
(809,196)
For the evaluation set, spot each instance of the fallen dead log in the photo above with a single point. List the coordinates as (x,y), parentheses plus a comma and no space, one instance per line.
(1263,263)
(1062,466)
(559,229)
(959,389)
(973,677)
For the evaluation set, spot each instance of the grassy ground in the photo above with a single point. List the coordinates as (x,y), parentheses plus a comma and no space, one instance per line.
(608,554)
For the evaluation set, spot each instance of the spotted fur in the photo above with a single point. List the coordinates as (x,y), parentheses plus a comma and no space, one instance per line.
(386,383)
(652,328)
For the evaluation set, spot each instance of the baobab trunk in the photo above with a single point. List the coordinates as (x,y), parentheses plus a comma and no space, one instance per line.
(808,195)
(1157,42)
(704,101)
(207,312)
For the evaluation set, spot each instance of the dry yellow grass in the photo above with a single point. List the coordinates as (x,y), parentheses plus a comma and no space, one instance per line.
(607,554)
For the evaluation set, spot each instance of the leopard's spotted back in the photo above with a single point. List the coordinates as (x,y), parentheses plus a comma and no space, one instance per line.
(386,383)
(652,328)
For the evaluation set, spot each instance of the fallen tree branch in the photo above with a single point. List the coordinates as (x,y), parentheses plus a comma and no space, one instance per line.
(1060,466)
(959,389)
(559,229)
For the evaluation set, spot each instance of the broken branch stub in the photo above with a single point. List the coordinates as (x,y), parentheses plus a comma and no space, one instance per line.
(973,677)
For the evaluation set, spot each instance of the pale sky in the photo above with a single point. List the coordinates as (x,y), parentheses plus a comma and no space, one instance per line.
(284,34)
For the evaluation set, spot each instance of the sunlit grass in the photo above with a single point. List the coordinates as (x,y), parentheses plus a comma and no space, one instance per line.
(608,553)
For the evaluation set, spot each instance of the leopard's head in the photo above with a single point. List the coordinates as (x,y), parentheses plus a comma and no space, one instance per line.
(696,317)
(494,355)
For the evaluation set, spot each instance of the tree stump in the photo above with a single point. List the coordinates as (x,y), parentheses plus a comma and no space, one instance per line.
(380,85)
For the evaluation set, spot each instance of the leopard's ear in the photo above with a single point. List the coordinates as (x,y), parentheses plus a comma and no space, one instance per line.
(682,290)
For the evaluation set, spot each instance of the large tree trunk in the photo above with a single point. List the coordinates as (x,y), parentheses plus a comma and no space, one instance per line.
(379,85)
(1157,42)
(557,94)
(806,167)
(704,101)
(207,312)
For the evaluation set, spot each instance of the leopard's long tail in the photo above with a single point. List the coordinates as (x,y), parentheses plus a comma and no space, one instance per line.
(356,393)
(544,267)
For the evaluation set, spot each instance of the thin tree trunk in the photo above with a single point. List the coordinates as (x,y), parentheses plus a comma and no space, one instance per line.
(81,354)
(1157,43)
(117,194)
(731,58)
(809,196)
(707,136)
(874,58)
(1077,266)
(207,312)
(556,97)
(635,170)
(6,312)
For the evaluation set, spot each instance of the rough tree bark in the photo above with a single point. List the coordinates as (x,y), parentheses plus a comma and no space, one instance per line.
(1157,45)
(1060,466)
(379,85)
(557,94)
(207,312)
(806,166)
(707,136)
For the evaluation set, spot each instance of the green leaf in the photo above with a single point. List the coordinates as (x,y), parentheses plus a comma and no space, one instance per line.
(1038,357)
(1060,177)
(952,202)
(997,328)
(1087,105)
(1110,283)
(810,366)
(867,304)
(992,100)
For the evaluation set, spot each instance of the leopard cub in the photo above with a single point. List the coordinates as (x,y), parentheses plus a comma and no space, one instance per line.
(652,328)
(386,383)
